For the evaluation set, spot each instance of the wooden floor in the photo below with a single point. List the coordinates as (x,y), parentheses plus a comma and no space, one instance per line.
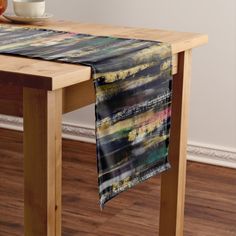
(210,203)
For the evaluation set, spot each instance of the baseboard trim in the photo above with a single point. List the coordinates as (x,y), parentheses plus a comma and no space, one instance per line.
(69,130)
(78,132)
(197,152)
(210,154)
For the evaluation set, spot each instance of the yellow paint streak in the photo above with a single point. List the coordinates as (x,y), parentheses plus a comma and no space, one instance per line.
(122,74)
(107,129)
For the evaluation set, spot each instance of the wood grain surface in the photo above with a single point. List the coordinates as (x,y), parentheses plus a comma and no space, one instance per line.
(210,199)
(173,198)
(48,75)
(42,162)
(74,96)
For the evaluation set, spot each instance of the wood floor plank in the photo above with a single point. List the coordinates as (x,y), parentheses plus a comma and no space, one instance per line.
(210,197)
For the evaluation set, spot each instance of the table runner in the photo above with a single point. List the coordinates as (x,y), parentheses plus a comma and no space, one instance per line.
(133,86)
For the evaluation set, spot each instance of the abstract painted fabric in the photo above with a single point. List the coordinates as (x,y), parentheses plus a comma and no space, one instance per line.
(133,85)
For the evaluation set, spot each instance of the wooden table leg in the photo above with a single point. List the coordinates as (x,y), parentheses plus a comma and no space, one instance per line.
(42,162)
(173,181)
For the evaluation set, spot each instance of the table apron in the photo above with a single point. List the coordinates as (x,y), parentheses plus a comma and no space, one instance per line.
(74,96)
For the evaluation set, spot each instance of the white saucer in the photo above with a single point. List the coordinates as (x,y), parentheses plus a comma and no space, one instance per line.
(20,19)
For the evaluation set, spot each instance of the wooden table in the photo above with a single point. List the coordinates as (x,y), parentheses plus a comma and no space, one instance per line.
(41,91)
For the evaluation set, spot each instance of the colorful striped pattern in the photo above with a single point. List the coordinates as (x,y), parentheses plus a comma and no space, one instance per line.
(132,80)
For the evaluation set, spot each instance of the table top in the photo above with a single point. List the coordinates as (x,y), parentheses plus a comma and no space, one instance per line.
(48,75)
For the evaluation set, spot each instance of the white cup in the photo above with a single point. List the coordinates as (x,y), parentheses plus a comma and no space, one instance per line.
(29,8)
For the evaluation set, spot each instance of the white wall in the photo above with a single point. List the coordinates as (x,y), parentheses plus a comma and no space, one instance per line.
(213,89)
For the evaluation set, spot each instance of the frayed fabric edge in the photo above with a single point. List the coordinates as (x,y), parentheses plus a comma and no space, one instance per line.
(147,174)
